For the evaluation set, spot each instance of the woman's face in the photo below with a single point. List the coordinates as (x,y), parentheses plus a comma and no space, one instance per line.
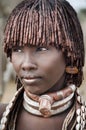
(40,69)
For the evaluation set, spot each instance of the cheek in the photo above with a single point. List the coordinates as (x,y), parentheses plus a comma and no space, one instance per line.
(55,69)
(59,67)
(53,65)
(58,71)
(16,62)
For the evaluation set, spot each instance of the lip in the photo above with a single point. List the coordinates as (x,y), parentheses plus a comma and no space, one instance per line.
(31,79)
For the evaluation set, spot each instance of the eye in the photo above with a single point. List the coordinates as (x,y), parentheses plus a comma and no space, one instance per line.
(17,49)
(41,49)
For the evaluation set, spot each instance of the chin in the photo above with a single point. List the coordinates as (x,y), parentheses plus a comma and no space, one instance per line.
(33,91)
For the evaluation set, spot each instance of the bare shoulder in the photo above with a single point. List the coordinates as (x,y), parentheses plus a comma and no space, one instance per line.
(2,109)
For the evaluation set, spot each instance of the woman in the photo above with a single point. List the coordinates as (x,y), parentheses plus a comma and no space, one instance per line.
(44,41)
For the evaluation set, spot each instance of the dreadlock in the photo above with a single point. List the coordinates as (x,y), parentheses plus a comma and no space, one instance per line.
(39,22)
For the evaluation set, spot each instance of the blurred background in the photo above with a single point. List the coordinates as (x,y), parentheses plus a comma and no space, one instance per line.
(7,74)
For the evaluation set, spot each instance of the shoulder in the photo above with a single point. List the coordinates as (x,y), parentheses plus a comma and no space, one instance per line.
(2,109)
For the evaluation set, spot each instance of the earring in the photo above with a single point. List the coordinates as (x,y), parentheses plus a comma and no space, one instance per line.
(71,70)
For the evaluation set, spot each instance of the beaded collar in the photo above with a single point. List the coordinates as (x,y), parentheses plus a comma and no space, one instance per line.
(50,104)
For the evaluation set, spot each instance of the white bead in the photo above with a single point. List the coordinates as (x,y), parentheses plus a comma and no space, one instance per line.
(79,99)
(9,106)
(83,116)
(81,128)
(83,108)
(4,119)
(13,99)
(2,126)
(81,121)
(78,119)
(83,124)
(16,93)
(78,126)
(7,112)
(78,111)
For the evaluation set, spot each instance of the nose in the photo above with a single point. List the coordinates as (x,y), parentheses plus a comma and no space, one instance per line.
(28,63)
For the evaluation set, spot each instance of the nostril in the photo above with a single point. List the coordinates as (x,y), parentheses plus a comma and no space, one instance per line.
(23,69)
(29,66)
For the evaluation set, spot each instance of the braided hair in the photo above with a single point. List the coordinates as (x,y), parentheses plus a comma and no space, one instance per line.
(45,22)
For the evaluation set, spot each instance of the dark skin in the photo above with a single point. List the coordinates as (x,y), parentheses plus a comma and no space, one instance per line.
(41,70)
(26,121)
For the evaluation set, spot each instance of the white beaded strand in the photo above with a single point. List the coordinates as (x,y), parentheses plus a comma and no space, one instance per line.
(80,113)
(7,111)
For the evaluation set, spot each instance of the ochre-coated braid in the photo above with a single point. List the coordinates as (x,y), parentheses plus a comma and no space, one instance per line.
(68,118)
(6,119)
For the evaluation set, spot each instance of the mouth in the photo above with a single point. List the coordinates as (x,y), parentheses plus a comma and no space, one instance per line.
(31,79)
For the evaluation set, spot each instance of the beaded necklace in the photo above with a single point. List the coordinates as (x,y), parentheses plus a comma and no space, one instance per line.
(34,109)
(49,104)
